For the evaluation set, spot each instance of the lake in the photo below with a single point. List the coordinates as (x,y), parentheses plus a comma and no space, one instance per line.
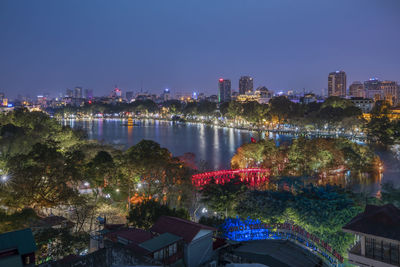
(212,144)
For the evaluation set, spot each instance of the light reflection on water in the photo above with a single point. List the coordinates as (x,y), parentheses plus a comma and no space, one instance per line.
(215,145)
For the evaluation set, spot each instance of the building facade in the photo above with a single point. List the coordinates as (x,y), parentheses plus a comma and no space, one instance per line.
(377,232)
(390,91)
(373,89)
(365,104)
(245,85)
(78,92)
(197,238)
(337,84)
(224,92)
(356,89)
(89,94)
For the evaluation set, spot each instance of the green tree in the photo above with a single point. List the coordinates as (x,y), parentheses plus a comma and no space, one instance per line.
(223,198)
(42,178)
(145,214)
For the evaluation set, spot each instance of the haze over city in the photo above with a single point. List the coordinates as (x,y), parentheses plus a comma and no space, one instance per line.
(186,46)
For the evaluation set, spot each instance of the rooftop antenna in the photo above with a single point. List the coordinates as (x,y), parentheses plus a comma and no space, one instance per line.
(141,86)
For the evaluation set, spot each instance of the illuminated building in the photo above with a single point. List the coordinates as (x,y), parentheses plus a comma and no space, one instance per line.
(373,89)
(224,92)
(261,95)
(184,97)
(166,95)
(308,98)
(337,84)
(245,85)
(390,91)
(356,89)
(377,231)
(78,92)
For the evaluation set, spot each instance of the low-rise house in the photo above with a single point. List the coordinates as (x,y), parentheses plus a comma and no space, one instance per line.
(17,248)
(197,238)
(365,104)
(163,248)
(378,236)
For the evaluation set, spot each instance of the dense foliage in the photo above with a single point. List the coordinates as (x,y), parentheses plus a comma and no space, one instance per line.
(47,168)
(146,213)
(320,210)
(303,156)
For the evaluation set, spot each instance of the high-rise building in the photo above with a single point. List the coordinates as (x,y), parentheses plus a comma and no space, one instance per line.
(245,85)
(356,89)
(224,92)
(390,91)
(89,94)
(69,93)
(116,93)
(166,95)
(373,89)
(78,92)
(337,84)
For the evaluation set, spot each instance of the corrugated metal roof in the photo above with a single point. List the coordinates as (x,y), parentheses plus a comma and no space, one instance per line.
(160,242)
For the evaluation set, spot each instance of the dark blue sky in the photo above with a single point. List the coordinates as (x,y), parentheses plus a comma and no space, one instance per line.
(48,45)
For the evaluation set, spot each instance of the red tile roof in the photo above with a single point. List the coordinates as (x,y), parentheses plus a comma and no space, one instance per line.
(180,227)
(383,221)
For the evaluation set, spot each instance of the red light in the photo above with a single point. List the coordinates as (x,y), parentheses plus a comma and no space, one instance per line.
(221,80)
(90,101)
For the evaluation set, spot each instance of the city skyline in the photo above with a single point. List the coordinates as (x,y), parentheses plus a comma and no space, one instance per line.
(279,44)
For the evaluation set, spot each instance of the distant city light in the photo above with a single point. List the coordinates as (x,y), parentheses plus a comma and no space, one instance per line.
(221,80)
(86,184)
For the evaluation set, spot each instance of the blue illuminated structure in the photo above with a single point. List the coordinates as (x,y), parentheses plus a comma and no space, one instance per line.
(240,230)
(246,230)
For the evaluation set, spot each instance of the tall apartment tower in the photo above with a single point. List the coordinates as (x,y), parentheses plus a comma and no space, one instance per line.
(78,92)
(356,89)
(69,93)
(337,84)
(224,93)
(245,85)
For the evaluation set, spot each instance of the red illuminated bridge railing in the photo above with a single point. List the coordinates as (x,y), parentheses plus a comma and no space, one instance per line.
(252,176)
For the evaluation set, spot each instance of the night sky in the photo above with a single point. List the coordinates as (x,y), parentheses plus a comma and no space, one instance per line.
(48,45)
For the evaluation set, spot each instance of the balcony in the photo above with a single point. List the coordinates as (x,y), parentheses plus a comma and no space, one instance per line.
(356,258)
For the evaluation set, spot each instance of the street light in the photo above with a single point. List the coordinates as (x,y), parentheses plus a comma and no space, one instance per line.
(4,178)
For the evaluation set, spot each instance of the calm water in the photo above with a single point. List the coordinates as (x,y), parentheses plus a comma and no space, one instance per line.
(215,145)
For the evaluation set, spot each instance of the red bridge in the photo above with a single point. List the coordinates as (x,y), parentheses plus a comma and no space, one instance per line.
(252,176)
